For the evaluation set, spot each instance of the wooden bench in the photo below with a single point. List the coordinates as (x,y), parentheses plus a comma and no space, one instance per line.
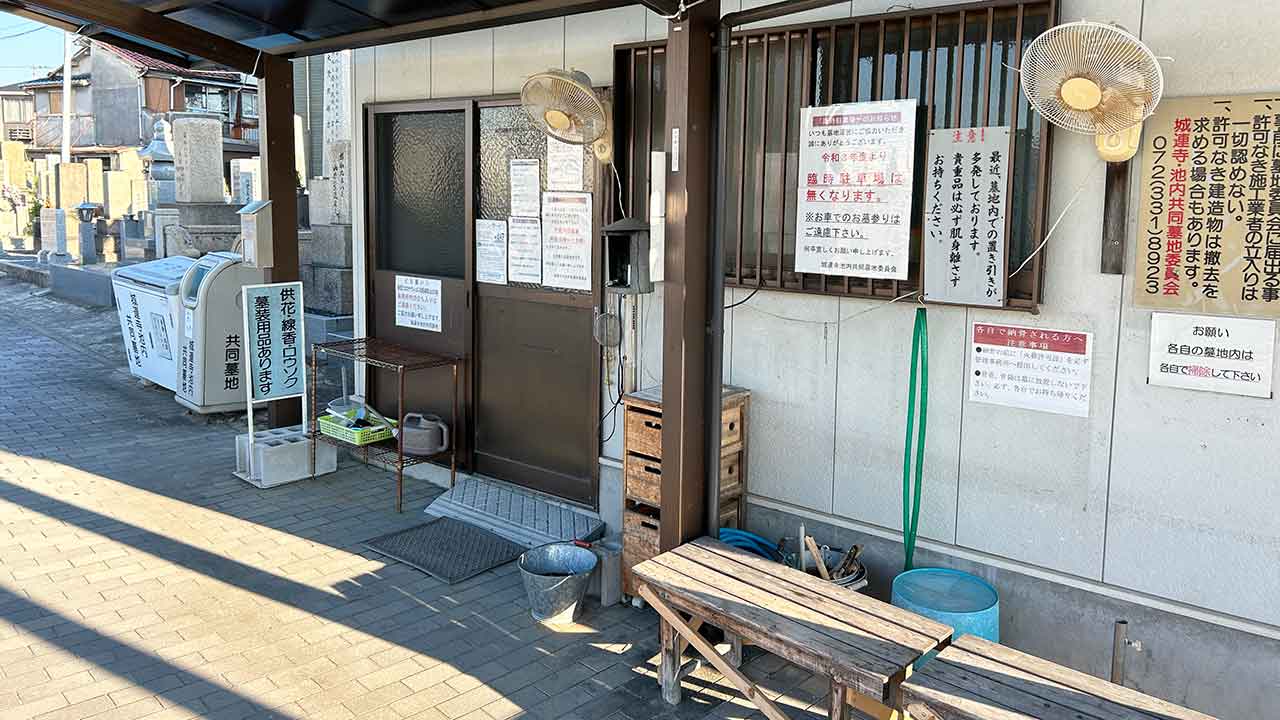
(974,679)
(865,646)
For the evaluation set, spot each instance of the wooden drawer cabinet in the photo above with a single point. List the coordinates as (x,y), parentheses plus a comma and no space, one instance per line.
(642,471)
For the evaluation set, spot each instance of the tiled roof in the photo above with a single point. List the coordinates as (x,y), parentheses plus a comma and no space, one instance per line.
(151,64)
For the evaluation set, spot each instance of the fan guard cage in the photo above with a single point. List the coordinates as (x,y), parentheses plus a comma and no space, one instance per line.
(1119,63)
(571,94)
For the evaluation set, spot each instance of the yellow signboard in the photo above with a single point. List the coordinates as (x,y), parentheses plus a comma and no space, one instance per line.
(1209,223)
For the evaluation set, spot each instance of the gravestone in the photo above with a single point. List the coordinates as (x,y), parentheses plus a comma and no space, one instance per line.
(246,180)
(73,184)
(93,167)
(53,234)
(139,200)
(321,202)
(51,159)
(337,163)
(161,220)
(337,99)
(13,155)
(129,161)
(197,158)
(117,194)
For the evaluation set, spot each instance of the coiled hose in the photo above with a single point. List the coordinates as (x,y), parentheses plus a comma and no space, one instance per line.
(910,500)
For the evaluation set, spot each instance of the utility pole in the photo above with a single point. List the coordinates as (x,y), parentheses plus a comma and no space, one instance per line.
(67,42)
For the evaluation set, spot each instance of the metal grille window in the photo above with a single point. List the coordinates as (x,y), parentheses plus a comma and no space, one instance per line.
(958,63)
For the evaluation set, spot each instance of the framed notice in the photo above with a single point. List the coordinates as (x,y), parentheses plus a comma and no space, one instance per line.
(491,251)
(853,214)
(524,243)
(418,303)
(1208,229)
(1216,354)
(964,216)
(1031,368)
(566,240)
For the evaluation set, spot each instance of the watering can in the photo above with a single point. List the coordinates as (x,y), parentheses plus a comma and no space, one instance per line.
(424,434)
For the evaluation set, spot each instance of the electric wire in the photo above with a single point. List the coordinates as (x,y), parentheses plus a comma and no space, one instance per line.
(1061,216)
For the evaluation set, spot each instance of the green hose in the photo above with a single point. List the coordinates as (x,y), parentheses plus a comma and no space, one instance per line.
(911,501)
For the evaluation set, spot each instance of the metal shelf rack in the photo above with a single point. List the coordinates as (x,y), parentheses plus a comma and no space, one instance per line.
(373,352)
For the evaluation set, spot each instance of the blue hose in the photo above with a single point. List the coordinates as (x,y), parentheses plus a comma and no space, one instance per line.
(750,542)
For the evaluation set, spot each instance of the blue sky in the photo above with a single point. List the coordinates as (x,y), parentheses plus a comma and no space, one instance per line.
(40,45)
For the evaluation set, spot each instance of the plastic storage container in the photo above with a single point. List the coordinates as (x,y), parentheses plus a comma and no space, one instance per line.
(952,597)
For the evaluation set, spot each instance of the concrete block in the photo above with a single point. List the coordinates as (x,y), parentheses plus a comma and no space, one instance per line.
(208,213)
(307,275)
(320,202)
(197,240)
(93,169)
(72,183)
(282,455)
(322,328)
(86,287)
(13,159)
(330,246)
(117,194)
(331,291)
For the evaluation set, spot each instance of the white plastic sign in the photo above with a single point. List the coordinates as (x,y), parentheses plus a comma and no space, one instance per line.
(418,303)
(1216,354)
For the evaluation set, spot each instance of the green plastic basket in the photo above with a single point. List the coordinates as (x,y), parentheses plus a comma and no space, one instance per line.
(330,426)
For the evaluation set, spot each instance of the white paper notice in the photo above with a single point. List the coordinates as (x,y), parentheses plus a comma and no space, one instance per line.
(491,251)
(418,302)
(525,249)
(853,214)
(564,166)
(566,240)
(1217,354)
(526,188)
(1031,368)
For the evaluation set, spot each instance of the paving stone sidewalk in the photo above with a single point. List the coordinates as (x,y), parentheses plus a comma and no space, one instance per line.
(139,579)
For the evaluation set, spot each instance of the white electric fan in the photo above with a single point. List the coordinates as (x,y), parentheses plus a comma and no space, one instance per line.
(1094,78)
(565,106)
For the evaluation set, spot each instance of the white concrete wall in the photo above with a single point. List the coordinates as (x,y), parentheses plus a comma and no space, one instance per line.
(1166,493)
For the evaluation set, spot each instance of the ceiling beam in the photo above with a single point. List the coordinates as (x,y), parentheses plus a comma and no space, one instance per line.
(164,7)
(142,23)
(662,7)
(461,22)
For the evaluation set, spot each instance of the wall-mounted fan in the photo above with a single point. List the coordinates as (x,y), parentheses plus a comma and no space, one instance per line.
(565,106)
(1097,79)
(1094,78)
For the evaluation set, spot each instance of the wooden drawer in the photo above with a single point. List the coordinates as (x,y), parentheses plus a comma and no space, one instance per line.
(731,475)
(731,426)
(644,479)
(644,432)
(731,513)
(639,542)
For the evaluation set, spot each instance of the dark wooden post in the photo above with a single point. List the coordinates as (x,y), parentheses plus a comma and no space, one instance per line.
(690,139)
(275,144)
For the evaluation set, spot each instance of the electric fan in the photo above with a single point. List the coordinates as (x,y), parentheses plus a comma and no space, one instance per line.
(563,104)
(1094,78)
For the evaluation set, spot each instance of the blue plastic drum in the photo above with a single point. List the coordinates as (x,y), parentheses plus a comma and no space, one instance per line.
(965,602)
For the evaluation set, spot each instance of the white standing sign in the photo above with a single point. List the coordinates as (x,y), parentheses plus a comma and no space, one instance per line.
(526,187)
(564,166)
(1217,354)
(418,303)
(491,251)
(853,214)
(566,240)
(1031,368)
(525,250)
(964,216)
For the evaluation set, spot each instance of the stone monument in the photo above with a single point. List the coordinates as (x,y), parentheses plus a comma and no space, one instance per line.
(72,184)
(53,236)
(117,195)
(93,169)
(246,180)
(197,158)
(13,155)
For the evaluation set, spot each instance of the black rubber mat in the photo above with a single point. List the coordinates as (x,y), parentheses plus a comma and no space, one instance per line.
(448,549)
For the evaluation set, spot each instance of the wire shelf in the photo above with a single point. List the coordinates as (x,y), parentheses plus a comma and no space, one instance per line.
(384,451)
(380,353)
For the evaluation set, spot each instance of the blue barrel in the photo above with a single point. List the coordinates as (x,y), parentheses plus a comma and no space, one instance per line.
(965,602)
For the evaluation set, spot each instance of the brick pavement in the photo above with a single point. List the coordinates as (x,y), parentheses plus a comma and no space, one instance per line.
(139,579)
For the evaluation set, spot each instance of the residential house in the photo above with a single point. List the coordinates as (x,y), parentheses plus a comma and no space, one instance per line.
(17,107)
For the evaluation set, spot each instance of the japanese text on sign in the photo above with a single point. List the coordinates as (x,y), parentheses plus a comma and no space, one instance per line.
(275,367)
(525,243)
(1210,216)
(964,219)
(1217,354)
(1031,368)
(418,303)
(491,251)
(853,214)
(566,240)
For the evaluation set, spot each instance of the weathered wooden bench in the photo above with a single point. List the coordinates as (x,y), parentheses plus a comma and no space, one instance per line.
(974,679)
(865,646)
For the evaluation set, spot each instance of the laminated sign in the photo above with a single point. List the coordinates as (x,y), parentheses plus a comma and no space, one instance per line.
(1209,222)
(964,216)
(274,354)
(1217,354)
(853,213)
(418,303)
(1031,368)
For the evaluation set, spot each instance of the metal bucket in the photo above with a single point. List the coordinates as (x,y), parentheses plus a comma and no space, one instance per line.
(555,579)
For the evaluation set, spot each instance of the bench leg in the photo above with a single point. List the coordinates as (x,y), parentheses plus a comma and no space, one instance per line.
(669,665)
(839,706)
(735,649)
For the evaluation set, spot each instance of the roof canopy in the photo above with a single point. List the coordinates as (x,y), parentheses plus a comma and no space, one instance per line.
(231,33)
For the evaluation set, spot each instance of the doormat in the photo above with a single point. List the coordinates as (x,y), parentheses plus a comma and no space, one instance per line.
(448,549)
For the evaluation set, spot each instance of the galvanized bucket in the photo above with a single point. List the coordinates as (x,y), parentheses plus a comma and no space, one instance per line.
(555,579)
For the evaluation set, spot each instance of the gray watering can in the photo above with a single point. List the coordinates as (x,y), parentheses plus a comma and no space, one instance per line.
(424,434)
